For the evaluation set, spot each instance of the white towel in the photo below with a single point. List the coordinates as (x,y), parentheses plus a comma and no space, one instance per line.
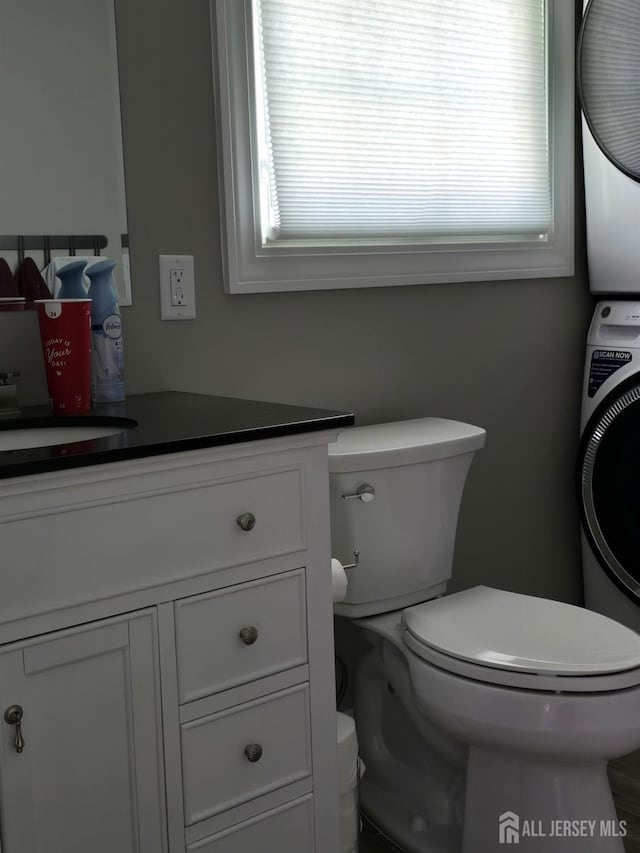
(49,273)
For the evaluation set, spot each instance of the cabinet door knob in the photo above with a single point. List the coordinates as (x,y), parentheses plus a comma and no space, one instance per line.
(253,752)
(13,716)
(247,521)
(249,635)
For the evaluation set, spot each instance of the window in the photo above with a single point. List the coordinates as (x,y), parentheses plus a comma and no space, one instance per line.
(396,142)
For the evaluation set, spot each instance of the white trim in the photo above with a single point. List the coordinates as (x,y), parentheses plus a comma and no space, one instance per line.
(250,268)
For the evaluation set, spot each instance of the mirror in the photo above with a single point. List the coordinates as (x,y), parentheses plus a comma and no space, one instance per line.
(61,162)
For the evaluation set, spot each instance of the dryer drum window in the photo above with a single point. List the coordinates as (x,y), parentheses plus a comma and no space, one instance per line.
(609,471)
(608,70)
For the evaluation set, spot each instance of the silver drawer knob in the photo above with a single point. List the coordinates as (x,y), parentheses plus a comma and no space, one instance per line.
(249,635)
(253,752)
(247,521)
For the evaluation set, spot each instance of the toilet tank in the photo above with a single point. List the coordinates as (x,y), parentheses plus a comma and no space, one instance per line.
(404,529)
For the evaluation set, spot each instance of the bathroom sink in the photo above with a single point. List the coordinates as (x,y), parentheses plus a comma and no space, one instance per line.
(47,432)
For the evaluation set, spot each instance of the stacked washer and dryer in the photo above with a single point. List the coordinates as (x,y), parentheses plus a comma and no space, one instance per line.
(609,462)
(609,455)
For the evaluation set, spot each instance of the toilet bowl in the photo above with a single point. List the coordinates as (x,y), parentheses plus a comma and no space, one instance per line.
(479,710)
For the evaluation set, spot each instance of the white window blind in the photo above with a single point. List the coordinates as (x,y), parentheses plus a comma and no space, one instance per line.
(368,143)
(416,121)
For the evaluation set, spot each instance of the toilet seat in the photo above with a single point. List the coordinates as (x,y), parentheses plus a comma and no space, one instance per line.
(523,642)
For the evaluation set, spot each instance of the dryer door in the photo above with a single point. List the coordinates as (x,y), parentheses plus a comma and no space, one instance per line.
(608,66)
(609,485)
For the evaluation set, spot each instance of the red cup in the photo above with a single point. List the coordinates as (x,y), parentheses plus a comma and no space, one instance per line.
(65,334)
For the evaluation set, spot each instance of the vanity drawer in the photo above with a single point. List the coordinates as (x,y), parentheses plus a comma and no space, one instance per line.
(164,535)
(243,752)
(289,828)
(240,633)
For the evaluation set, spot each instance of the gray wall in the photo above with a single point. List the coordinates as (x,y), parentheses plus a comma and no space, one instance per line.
(507,356)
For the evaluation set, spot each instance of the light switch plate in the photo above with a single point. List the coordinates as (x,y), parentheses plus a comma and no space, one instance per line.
(177,288)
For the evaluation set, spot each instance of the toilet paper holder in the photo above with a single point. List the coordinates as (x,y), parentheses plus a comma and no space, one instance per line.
(356,556)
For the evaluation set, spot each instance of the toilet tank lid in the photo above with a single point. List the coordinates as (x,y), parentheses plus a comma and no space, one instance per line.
(402,443)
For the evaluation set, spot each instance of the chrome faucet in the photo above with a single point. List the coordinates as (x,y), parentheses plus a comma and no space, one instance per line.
(9,394)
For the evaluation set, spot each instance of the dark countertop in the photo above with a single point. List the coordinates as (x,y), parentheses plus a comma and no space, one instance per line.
(165,422)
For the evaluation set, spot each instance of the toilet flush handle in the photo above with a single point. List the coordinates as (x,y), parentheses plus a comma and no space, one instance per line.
(364,493)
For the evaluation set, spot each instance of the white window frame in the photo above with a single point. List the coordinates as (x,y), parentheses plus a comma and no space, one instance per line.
(250,267)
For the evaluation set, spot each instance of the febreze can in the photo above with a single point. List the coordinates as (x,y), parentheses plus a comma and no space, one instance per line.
(107,352)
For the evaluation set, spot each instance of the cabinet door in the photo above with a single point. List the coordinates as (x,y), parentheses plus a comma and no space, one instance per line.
(88,778)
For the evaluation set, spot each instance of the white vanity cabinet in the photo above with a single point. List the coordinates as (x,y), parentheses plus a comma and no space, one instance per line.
(166,628)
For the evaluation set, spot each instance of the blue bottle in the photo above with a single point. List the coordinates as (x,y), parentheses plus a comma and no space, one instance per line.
(107,354)
(72,281)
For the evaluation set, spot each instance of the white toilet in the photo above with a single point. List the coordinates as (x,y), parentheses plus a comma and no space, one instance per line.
(477,704)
